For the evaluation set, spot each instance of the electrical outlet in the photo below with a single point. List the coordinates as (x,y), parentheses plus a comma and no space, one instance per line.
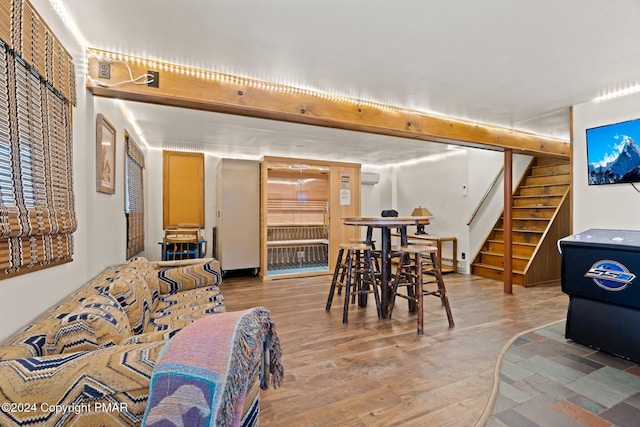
(464,255)
(104,70)
(154,80)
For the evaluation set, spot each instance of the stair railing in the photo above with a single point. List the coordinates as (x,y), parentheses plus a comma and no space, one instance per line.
(486,195)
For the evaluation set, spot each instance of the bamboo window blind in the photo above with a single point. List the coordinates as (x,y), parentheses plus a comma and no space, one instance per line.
(134,208)
(37,81)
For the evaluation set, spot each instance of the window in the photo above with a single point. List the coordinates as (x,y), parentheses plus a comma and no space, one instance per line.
(37,216)
(134,198)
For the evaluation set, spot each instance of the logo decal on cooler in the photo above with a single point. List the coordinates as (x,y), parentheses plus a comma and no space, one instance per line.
(610,275)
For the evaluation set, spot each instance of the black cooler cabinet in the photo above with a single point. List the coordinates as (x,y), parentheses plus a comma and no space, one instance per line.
(600,270)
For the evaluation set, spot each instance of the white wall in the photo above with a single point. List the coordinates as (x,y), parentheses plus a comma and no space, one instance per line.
(375,197)
(438,184)
(153,220)
(106,218)
(615,206)
(100,237)
(450,186)
(484,165)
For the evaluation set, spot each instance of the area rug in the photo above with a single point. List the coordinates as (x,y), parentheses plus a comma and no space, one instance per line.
(543,379)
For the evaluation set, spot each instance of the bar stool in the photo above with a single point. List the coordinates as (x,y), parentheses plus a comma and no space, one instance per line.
(410,272)
(356,275)
(375,255)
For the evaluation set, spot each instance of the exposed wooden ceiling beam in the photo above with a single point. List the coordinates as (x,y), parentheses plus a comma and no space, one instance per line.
(203,90)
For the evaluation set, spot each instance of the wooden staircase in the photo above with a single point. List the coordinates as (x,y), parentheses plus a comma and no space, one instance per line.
(541,216)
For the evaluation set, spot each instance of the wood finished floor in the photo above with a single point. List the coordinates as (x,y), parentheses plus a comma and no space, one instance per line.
(374,372)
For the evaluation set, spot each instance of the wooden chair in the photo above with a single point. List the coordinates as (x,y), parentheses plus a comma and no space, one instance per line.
(182,243)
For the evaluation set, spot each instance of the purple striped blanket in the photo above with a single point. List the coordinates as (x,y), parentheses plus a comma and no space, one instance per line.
(204,370)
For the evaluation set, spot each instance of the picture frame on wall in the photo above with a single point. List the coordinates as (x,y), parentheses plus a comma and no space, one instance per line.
(105,155)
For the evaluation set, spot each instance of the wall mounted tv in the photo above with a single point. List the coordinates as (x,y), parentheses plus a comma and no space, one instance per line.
(613,153)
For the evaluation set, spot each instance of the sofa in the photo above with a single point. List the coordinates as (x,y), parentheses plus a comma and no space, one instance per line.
(142,343)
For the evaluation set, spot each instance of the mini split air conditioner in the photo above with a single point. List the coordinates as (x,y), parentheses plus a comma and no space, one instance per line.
(369,178)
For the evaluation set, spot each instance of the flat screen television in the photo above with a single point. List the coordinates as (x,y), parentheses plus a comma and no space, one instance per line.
(613,153)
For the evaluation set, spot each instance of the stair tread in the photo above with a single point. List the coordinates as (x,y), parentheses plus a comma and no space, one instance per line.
(549,165)
(528,218)
(520,230)
(544,191)
(544,185)
(532,205)
(501,254)
(542,175)
(538,196)
(545,160)
(495,267)
(513,243)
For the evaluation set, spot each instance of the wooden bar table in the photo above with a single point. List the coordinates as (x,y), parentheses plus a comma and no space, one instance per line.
(386,224)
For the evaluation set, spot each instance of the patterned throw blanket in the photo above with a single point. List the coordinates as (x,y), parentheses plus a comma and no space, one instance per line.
(203,372)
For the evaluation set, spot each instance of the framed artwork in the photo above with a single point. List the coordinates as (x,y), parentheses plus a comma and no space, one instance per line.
(105,156)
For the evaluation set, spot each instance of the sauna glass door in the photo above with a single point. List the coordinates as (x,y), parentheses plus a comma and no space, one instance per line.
(297,219)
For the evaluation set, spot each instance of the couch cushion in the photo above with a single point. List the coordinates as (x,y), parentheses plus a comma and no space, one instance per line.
(148,337)
(31,340)
(105,387)
(196,275)
(147,270)
(133,292)
(99,322)
(175,311)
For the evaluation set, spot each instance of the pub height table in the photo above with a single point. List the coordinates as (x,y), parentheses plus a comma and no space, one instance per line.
(386,224)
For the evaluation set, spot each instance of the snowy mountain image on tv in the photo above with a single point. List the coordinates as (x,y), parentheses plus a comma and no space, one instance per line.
(613,153)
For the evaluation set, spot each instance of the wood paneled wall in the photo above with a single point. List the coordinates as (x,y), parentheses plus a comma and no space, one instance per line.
(546,262)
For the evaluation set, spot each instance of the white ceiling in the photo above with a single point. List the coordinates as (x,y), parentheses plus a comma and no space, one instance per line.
(517,64)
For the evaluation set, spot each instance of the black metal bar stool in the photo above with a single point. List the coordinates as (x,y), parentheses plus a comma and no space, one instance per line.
(356,275)
(410,272)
